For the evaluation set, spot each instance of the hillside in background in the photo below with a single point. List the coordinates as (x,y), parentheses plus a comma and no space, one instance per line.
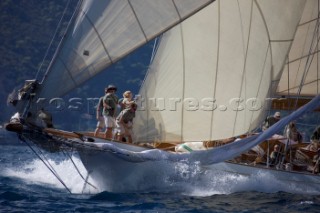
(27,29)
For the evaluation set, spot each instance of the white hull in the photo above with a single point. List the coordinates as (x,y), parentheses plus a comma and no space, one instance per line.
(122,167)
(113,173)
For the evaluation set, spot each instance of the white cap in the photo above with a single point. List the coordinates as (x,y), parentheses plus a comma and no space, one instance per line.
(277,114)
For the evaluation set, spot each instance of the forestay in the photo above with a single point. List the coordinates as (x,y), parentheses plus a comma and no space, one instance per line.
(105,31)
(212,73)
(301,74)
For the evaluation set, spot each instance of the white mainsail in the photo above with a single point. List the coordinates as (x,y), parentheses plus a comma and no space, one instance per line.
(210,69)
(301,69)
(105,31)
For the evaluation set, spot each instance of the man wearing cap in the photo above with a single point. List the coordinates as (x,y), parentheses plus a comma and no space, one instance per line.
(269,121)
(99,115)
(110,101)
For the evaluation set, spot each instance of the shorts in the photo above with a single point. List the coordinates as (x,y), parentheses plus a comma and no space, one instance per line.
(124,130)
(101,123)
(109,121)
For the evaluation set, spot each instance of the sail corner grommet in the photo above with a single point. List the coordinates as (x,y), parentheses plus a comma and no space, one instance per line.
(86,52)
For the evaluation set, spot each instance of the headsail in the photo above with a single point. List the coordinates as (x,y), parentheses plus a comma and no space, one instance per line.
(303,60)
(105,31)
(213,72)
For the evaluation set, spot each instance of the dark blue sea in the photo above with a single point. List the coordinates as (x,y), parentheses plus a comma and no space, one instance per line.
(26,185)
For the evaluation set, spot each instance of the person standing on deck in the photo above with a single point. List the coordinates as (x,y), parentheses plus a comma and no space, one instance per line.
(269,121)
(291,132)
(124,123)
(127,99)
(110,101)
(99,109)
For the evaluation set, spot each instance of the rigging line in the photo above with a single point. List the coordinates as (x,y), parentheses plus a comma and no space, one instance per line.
(304,56)
(295,87)
(308,65)
(39,150)
(52,171)
(154,50)
(308,55)
(308,62)
(53,38)
(272,83)
(68,71)
(86,181)
(75,166)
(312,20)
(260,82)
(61,41)
(156,45)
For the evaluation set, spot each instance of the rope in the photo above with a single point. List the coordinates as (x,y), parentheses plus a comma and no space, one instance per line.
(53,38)
(45,163)
(309,60)
(77,169)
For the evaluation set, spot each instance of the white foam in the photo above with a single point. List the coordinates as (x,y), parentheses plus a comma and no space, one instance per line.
(35,172)
(218,182)
(187,179)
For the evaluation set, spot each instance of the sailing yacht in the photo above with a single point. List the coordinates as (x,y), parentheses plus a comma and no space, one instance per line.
(217,66)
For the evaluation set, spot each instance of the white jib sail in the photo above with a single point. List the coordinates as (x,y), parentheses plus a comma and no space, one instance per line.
(302,68)
(105,31)
(212,73)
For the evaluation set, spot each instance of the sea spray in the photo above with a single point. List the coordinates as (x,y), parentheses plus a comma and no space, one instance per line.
(35,172)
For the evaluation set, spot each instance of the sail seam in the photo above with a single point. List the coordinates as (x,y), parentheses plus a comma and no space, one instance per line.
(68,71)
(298,86)
(270,90)
(140,25)
(281,40)
(308,22)
(309,61)
(215,80)
(175,6)
(288,62)
(99,37)
(243,80)
(183,80)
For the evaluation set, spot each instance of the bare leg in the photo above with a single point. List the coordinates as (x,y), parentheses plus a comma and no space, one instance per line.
(108,133)
(119,136)
(96,132)
(129,139)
